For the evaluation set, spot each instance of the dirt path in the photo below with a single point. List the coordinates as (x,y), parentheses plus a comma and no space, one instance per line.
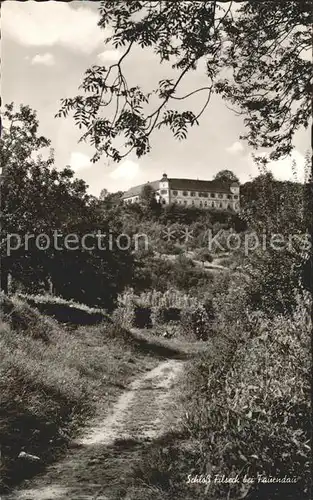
(145,411)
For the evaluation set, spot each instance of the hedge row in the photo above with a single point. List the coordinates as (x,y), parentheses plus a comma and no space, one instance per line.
(66,311)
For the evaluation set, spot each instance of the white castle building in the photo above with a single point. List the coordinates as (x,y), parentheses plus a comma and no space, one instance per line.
(190,192)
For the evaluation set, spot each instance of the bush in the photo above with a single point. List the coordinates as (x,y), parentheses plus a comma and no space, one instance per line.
(196,321)
(162,315)
(187,277)
(170,248)
(204,255)
(231,311)
(251,412)
(192,316)
(123,316)
(275,280)
(160,274)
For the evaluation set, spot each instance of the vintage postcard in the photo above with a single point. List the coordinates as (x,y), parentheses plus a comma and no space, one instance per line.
(156,252)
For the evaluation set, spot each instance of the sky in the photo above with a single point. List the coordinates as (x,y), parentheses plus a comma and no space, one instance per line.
(45,49)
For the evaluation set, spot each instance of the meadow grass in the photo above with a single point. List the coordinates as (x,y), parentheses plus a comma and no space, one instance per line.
(51,379)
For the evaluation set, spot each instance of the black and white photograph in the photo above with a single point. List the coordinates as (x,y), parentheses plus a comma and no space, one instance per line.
(156,267)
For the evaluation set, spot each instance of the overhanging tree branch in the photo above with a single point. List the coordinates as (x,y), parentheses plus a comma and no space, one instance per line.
(259,47)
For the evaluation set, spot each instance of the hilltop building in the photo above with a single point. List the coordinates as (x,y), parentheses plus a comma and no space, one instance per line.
(190,192)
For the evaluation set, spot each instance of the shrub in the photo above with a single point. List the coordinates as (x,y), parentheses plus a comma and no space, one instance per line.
(172,298)
(196,321)
(275,280)
(204,255)
(123,316)
(153,273)
(161,274)
(163,315)
(251,412)
(170,248)
(157,316)
(230,303)
(187,277)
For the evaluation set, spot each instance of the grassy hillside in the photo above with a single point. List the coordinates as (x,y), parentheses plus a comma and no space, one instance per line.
(50,380)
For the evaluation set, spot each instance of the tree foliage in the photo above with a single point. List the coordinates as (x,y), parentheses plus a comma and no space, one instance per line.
(148,198)
(103,194)
(254,54)
(39,199)
(226,176)
(147,193)
(275,206)
(279,266)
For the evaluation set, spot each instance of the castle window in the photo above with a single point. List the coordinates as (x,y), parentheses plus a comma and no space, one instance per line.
(185,202)
(220,195)
(205,203)
(201,204)
(221,205)
(175,193)
(192,193)
(236,196)
(229,196)
(185,193)
(163,191)
(212,195)
(205,195)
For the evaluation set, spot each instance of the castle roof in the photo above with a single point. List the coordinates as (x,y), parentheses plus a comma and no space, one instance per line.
(199,185)
(185,185)
(136,190)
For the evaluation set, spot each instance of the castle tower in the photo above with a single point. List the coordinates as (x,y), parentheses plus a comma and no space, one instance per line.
(165,194)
